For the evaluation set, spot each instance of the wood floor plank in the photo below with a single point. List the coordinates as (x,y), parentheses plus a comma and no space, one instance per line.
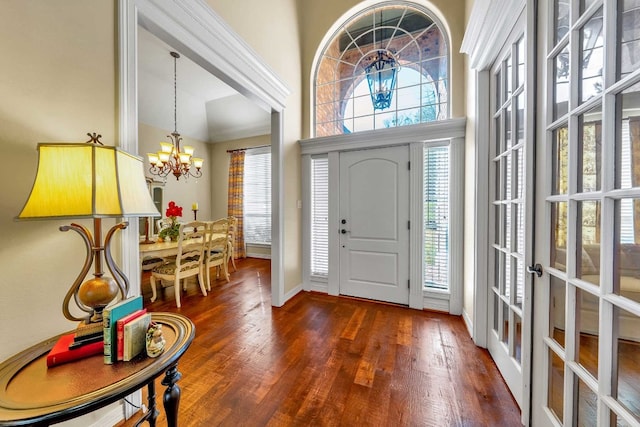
(322,360)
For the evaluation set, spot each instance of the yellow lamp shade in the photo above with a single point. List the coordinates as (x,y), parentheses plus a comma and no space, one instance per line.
(166,147)
(197,162)
(87,180)
(189,150)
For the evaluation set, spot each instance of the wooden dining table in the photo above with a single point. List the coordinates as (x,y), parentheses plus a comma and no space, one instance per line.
(164,249)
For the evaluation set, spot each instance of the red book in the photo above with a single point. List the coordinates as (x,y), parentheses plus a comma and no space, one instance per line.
(120,330)
(60,352)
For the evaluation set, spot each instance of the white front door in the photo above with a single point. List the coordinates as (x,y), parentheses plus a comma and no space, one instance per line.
(509,293)
(374,224)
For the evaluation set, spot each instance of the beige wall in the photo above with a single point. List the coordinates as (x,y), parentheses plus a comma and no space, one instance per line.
(60,85)
(57,83)
(183,192)
(271,28)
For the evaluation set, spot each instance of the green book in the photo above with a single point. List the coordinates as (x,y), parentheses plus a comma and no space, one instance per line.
(110,316)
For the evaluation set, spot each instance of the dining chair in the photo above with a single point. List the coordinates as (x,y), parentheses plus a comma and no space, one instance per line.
(233,226)
(187,263)
(217,249)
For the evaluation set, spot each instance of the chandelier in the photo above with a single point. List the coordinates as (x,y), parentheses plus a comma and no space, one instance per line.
(381,76)
(172,158)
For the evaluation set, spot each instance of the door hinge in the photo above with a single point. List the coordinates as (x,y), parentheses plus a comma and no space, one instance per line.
(408,225)
(409,284)
(409,165)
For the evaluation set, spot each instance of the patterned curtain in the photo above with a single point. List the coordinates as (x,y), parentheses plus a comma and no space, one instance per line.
(234,198)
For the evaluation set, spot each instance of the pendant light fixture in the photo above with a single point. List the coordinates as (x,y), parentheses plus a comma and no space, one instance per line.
(381,75)
(172,158)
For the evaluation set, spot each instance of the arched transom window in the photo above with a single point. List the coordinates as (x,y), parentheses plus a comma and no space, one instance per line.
(385,67)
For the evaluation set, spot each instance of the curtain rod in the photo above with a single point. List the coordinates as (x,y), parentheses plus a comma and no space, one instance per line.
(248,148)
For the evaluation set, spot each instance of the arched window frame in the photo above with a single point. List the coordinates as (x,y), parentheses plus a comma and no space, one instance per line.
(339,101)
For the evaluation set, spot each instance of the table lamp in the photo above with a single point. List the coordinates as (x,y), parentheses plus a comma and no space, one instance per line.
(89,180)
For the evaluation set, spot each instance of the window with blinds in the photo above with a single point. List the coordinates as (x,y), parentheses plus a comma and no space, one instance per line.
(436,217)
(320,216)
(257,196)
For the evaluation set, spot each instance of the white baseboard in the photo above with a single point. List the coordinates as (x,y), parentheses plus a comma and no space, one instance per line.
(257,255)
(111,418)
(467,321)
(292,293)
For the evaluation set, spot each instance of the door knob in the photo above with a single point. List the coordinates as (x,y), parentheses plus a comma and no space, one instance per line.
(537,269)
(344,221)
(343,231)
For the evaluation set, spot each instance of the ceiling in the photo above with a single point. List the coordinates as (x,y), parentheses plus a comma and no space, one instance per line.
(207,109)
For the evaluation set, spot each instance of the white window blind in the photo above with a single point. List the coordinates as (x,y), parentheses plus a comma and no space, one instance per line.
(436,217)
(257,196)
(320,216)
(627,233)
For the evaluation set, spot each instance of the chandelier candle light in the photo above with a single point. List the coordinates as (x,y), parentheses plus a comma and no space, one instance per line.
(172,158)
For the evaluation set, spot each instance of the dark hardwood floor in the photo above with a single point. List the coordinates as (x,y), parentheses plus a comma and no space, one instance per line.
(326,361)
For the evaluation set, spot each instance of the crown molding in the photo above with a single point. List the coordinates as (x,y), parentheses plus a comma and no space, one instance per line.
(488,28)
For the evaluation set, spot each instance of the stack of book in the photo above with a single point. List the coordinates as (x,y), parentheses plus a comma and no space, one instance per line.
(87,340)
(125,326)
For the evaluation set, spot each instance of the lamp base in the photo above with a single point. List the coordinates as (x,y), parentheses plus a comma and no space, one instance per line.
(97,293)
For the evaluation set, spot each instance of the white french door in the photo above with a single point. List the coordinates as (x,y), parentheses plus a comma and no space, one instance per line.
(587,304)
(374,218)
(510,217)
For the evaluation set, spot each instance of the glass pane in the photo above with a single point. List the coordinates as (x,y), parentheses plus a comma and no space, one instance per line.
(520,119)
(501,285)
(508,177)
(561,83)
(559,236)
(559,178)
(496,224)
(588,247)
(498,85)
(587,404)
(496,318)
(561,19)
(505,323)
(520,284)
(509,72)
(557,310)
(588,326)
(627,261)
(628,375)
(628,146)
(592,59)
(508,279)
(507,126)
(508,224)
(590,150)
(629,44)
(518,176)
(521,60)
(556,385)
(519,236)
(517,338)
(498,136)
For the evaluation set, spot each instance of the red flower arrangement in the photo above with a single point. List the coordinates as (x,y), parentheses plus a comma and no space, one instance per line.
(173,211)
(173,230)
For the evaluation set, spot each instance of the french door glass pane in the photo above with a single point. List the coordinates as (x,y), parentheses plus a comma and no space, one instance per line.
(627,274)
(555,393)
(559,236)
(587,404)
(561,83)
(560,159)
(561,19)
(517,349)
(588,331)
(521,60)
(557,298)
(629,44)
(628,375)
(590,150)
(588,245)
(505,323)
(628,145)
(592,58)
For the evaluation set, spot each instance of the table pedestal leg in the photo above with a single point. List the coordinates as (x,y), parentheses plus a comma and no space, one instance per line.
(171,397)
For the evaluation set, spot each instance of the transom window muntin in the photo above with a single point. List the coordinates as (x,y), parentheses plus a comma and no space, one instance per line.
(415,39)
